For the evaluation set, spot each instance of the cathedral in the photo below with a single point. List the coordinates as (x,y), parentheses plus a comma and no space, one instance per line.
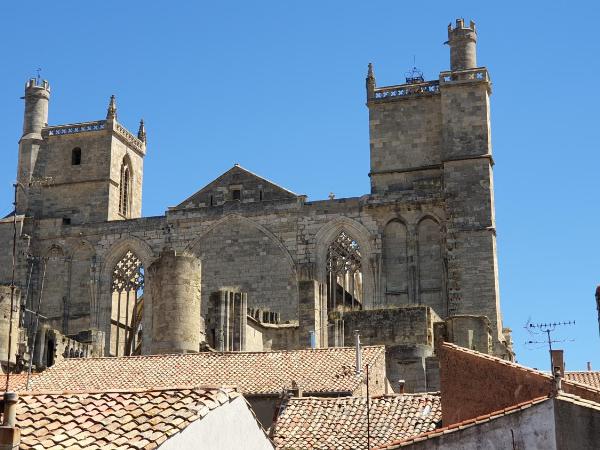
(247,265)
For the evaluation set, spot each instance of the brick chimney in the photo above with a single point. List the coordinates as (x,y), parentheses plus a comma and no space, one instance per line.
(558,362)
(10,436)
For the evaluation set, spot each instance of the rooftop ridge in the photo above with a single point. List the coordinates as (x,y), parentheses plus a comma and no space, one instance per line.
(371,397)
(496,359)
(188,355)
(192,387)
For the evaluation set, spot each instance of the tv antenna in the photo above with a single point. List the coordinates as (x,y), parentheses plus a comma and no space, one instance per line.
(547,328)
(38,77)
(414,75)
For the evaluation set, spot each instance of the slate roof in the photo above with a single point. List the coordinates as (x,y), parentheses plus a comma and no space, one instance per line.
(328,370)
(589,378)
(124,420)
(341,423)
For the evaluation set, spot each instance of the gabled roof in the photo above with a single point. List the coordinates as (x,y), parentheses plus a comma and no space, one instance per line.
(327,370)
(125,420)
(589,378)
(237,175)
(341,423)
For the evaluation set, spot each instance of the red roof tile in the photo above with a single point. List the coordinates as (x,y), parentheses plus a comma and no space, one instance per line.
(341,423)
(402,442)
(589,378)
(329,370)
(129,420)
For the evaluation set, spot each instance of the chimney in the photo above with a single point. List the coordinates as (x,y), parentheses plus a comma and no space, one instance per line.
(10,436)
(589,366)
(295,390)
(401,384)
(558,362)
(358,353)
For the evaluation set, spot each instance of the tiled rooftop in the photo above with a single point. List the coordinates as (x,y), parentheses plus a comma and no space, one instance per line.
(341,423)
(589,378)
(17,381)
(486,418)
(124,420)
(329,370)
(402,442)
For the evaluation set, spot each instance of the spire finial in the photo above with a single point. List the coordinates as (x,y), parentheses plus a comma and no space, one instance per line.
(142,132)
(370,73)
(112,108)
(370,82)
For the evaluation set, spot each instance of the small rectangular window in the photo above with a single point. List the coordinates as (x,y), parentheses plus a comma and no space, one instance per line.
(66,221)
(76,157)
(236,194)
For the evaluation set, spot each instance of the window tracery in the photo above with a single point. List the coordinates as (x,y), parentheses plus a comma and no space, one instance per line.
(127,305)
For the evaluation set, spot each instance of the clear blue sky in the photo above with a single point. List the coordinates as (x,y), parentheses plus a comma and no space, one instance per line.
(278,87)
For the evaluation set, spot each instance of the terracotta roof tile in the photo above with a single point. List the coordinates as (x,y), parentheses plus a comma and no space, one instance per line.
(340,423)
(402,442)
(329,370)
(17,381)
(84,420)
(589,378)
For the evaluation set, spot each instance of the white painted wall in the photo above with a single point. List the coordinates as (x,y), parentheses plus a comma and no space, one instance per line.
(229,427)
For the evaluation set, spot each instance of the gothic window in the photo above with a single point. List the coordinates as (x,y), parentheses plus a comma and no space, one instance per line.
(127,306)
(76,156)
(395,261)
(125,188)
(344,273)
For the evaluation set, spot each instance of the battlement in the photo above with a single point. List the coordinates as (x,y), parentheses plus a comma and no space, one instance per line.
(405,90)
(467,75)
(460,25)
(74,128)
(35,83)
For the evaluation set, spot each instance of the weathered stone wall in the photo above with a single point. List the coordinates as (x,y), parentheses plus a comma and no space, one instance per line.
(6,326)
(407,333)
(174,286)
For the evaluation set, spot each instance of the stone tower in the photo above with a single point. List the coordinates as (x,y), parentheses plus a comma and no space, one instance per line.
(37,96)
(78,173)
(431,139)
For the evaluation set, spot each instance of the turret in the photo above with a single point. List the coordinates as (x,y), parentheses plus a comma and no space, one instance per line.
(463,45)
(37,95)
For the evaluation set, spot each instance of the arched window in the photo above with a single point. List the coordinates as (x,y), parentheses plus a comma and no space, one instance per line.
(76,156)
(395,261)
(344,276)
(127,306)
(125,188)
(429,241)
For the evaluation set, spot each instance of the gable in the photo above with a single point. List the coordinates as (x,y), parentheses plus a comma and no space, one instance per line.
(237,184)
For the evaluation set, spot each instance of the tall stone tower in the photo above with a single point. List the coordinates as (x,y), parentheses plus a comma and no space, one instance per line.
(82,172)
(431,139)
(37,97)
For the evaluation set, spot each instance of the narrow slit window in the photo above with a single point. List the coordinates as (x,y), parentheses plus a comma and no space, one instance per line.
(124,189)
(76,156)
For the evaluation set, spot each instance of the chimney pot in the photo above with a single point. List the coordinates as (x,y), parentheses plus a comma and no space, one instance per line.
(10,409)
(589,366)
(401,384)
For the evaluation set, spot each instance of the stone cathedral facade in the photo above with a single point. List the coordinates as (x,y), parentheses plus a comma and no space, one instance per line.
(247,265)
